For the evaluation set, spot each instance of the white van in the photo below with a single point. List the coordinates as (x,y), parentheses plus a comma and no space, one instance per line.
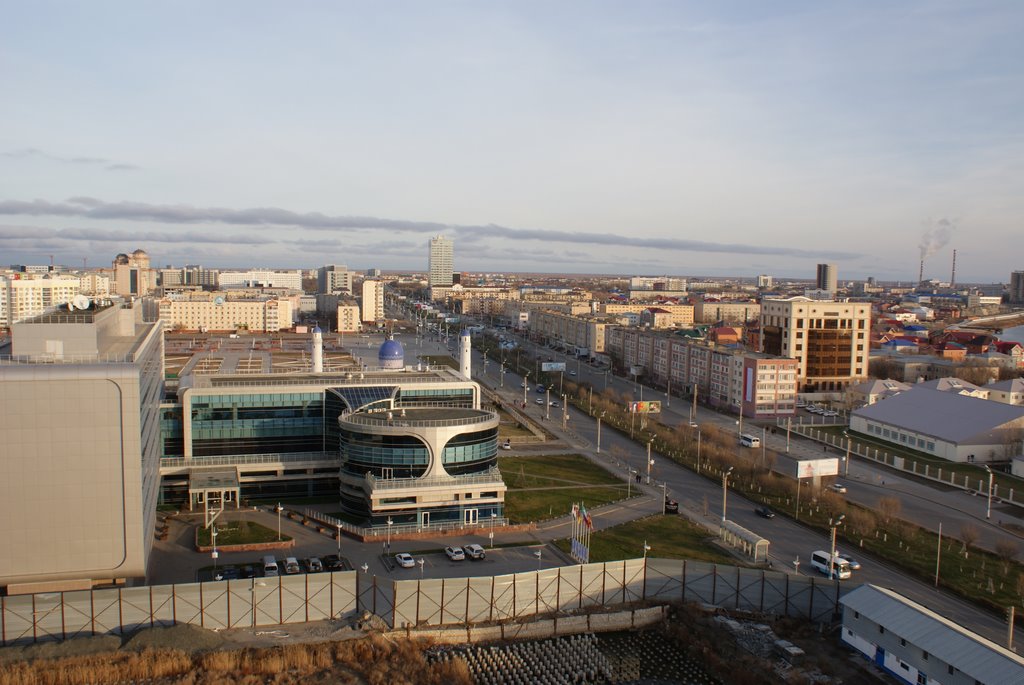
(748,440)
(291,566)
(840,566)
(269,566)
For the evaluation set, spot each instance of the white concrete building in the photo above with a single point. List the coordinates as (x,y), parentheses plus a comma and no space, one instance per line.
(261,278)
(27,297)
(373,301)
(219,311)
(441,261)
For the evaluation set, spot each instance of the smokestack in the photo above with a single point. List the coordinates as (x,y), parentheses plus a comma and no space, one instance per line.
(952,277)
(465,355)
(318,350)
(920,274)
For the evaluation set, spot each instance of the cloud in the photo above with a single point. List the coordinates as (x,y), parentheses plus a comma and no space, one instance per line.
(10,233)
(36,153)
(272,217)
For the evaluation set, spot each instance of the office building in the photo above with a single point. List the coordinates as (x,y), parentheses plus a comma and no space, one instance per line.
(827,278)
(133,276)
(373,301)
(334,278)
(1017,287)
(829,339)
(79,462)
(441,262)
(261,278)
(224,311)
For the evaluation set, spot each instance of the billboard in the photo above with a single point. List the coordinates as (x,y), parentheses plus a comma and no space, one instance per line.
(809,468)
(645,407)
(552,366)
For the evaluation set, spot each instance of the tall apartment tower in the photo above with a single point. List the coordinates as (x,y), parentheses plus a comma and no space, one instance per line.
(333,278)
(828,278)
(441,263)
(830,340)
(1017,287)
(373,300)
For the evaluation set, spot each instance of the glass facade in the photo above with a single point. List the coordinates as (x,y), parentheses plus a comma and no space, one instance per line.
(471,452)
(257,423)
(385,456)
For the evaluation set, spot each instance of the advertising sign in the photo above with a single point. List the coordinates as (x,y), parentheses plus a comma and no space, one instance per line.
(809,468)
(645,407)
(552,366)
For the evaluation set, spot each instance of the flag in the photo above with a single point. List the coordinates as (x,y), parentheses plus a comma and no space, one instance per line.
(575,511)
(588,521)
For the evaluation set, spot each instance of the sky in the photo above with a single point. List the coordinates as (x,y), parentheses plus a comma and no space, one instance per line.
(679,138)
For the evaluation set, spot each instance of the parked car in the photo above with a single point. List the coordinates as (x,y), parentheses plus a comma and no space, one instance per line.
(507,445)
(854,564)
(291,566)
(313,565)
(572,373)
(248,571)
(765,512)
(455,553)
(474,551)
(830,412)
(332,562)
(671,506)
(226,573)
(405,560)
(838,487)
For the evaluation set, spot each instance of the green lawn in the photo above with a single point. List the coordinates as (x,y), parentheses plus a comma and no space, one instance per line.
(238,533)
(670,537)
(546,486)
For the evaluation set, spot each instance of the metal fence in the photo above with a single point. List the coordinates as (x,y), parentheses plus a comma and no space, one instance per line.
(404,603)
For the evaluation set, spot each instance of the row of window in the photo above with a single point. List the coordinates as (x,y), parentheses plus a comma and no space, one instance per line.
(899,436)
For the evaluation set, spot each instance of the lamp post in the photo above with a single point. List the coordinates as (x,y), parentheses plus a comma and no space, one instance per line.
(421,562)
(599,417)
(725,490)
(390,523)
(338,526)
(988,508)
(698,450)
(526,385)
(834,524)
(764,444)
(668,392)
(565,412)
(279,510)
(647,548)
(846,467)
(494,517)
(547,403)
(503,374)
(650,462)
(214,555)
(539,554)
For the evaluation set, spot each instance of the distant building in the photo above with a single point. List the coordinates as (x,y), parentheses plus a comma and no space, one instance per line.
(1017,287)
(133,276)
(373,301)
(80,455)
(334,278)
(261,278)
(441,262)
(349,320)
(829,340)
(764,281)
(827,278)
(1007,392)
(919,646)
(874,390)
(713,311)
(27,297)
(222,311)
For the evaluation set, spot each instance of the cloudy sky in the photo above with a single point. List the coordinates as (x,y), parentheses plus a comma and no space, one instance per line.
(603,137)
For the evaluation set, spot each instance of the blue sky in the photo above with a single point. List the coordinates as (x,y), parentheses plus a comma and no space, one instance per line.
(634,138)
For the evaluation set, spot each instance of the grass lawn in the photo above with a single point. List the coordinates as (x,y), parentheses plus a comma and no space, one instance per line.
(238,533)
(440,360)
(546,486)
(670,537)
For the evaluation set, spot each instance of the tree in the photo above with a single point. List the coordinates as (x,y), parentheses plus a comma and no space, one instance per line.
(889,508)
(1006,550)
(968,535)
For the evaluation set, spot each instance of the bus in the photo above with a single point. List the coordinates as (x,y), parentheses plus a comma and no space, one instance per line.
(840,566)
(748,440)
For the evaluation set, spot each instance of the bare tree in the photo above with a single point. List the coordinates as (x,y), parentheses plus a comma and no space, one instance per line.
(1006,550)
(968,535)
(889,508)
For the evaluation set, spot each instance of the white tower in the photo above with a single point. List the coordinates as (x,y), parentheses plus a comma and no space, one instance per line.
(318,350)
(465,355)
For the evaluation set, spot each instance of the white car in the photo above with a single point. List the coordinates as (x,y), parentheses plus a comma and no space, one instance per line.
(540,401)
(507,445)
(405,560)
(572,373)
(455,553)
(475,551)
(838,487)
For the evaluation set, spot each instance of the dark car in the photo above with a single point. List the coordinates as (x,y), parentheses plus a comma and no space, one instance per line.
(248,571)
(332,562)
(671,506)
(765,512)
(226,573)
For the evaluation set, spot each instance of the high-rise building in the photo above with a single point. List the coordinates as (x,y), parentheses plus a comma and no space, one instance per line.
(441,262)
(764,281)
(1017,287)
(24,298)
(829,339)
(334,278)
(828,278)
(133,276)
(373,300)
(80,458)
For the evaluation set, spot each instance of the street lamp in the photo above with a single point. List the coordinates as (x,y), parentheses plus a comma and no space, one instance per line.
(365,567)
(650,462)
(503,374)
(390,523)
(421,562)
(279,510)
(539,554)
(547,407)
(600,416)
(834,524)
(214,555)
(725,490)
(846,468)
(988,508)
(647,548)
(565,412)
(338,526)
(494,517)
(526,384)
(698,449)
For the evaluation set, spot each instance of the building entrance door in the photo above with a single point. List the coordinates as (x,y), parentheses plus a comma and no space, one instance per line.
(472,517)
(425,519)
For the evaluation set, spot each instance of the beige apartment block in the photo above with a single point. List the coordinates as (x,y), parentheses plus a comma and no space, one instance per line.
(220,311)
(79,459)
(582,335)
(348,319)
(678,314)
(729,312)
(25,297)
(373,300)
(133,276)
(829,339)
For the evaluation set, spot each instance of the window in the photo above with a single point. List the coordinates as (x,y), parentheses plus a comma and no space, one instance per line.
(881,630)
(856,614)
(924,655)
(903,642)
(922,679)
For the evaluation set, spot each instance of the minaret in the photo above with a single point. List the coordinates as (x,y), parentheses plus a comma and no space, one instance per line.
(318,350)
(465,355)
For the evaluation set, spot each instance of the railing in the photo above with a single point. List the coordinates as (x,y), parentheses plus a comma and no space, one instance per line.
(305,377)
(240,459)
(401,528)
(396,419)
(12,360)
(491,475)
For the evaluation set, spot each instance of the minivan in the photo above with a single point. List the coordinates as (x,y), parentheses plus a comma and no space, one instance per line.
(840,566)
(291,566)
(269,566)
(748,440)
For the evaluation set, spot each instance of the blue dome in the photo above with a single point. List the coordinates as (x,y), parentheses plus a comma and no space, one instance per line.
(391,355)
(316,329)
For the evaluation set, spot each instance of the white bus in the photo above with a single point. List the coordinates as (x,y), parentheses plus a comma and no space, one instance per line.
(748,440)
(840,566)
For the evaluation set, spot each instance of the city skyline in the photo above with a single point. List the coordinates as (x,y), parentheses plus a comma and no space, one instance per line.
(650,139)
